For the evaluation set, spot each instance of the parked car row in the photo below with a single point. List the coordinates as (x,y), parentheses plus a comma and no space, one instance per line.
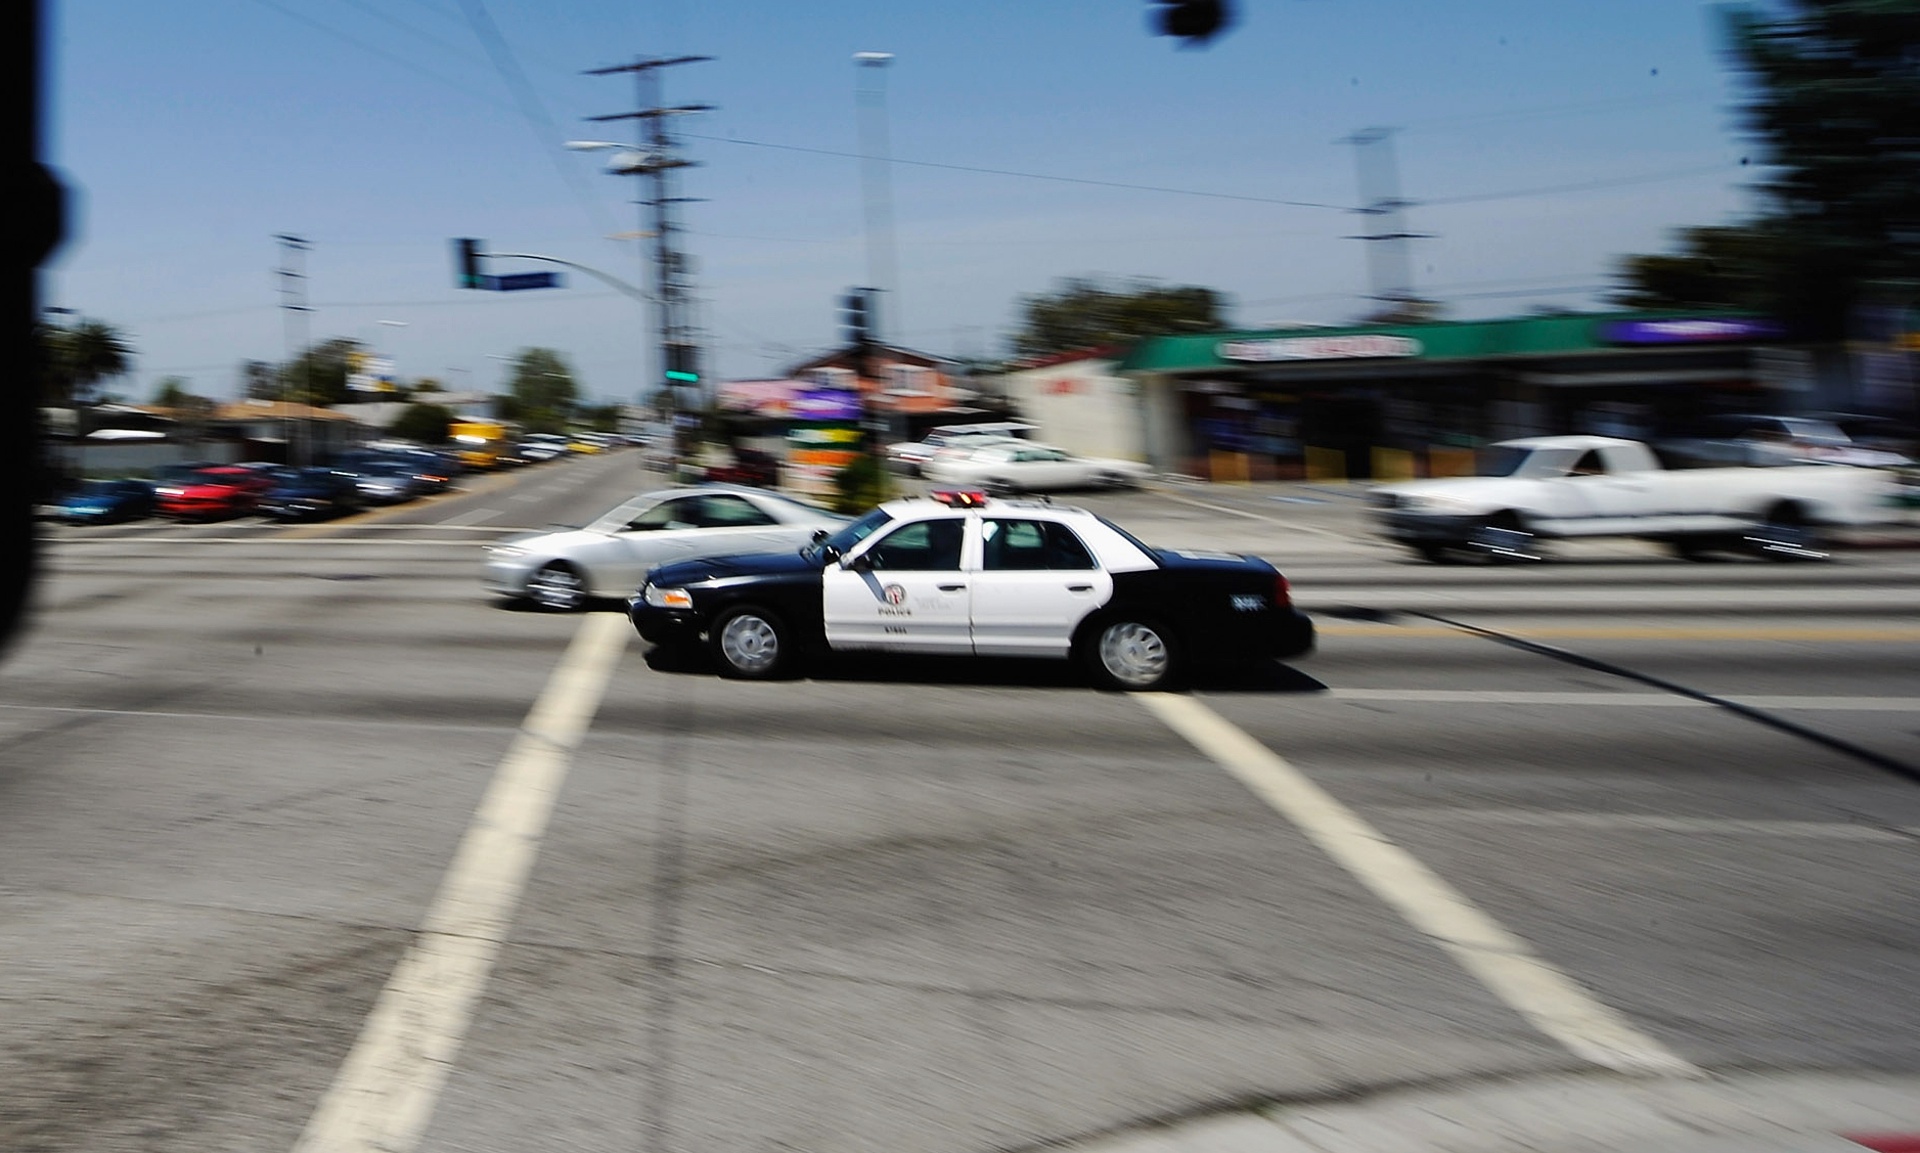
(205,491)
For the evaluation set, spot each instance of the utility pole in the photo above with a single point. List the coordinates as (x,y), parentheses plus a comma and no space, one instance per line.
(654,160)
(1389,259)
(293,302)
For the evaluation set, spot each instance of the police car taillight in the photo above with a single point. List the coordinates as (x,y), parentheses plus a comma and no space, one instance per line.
(967,499)
(1282,593)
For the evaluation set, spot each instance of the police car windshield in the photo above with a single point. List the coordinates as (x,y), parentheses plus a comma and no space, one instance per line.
(852,534)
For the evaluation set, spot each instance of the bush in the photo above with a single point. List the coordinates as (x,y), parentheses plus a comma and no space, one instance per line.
(426,423)
(860,486)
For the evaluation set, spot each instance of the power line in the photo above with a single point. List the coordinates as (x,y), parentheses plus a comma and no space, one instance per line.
(1029,175)
(1583,186)
(402,61)
(1514,194)
(545,131)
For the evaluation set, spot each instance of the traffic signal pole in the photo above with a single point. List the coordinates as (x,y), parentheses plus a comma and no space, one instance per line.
(679,354)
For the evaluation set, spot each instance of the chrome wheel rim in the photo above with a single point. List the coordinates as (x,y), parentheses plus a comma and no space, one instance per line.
(1134,654)
(557,588)
(750,644)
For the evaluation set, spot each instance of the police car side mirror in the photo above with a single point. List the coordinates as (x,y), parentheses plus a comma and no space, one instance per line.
(819,535)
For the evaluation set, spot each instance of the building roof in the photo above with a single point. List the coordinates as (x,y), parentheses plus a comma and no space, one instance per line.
(276,410)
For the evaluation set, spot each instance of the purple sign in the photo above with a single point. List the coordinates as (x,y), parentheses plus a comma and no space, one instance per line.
(826,404)
(1688,331)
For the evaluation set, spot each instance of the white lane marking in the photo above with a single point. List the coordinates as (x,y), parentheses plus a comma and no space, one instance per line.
(384,1094)
(1627,700)
(471,516)
(1551,1000)
(1646,823)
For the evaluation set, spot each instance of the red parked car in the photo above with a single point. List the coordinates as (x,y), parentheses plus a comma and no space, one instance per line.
(211,493)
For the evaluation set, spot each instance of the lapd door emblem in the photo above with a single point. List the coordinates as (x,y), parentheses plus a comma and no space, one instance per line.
(895,594)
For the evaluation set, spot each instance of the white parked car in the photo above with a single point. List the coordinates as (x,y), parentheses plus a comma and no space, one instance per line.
(1003,466)
(564,569)
(912,454)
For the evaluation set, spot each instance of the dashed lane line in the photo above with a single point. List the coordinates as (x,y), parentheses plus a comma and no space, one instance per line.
(384,1094)
(1552,1001)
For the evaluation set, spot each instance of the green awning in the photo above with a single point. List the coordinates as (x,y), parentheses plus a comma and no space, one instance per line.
(1585,332)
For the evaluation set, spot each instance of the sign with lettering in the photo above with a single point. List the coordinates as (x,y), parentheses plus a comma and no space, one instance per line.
(1360,346)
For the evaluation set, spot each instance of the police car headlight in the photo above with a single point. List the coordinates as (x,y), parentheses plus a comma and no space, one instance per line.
(667,598)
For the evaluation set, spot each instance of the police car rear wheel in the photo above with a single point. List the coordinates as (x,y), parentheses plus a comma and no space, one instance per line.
(1132,654)
(750,643)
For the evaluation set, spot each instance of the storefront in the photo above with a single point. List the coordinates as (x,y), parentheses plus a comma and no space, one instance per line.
(1416,400)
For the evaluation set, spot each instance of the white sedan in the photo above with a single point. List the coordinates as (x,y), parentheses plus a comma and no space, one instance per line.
(564,569)
(1004,466)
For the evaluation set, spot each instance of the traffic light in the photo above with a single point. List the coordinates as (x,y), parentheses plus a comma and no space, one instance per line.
(468,272)
(855,318)
(1194,21)
(683,364)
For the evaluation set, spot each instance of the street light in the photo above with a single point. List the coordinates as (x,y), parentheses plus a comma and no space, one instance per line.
(871,102)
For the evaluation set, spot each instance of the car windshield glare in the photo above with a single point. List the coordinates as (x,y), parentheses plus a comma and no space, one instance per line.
(850,535)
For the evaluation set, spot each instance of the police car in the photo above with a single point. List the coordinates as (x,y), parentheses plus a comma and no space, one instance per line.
(957,573)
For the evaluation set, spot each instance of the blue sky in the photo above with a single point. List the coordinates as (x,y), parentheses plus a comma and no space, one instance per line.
(1537,141)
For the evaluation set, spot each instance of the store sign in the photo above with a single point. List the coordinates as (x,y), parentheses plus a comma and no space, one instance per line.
(1362,347)
(1683,331)
(826,404)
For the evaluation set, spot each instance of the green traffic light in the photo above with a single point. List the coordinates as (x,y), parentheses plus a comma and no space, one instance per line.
(687,377)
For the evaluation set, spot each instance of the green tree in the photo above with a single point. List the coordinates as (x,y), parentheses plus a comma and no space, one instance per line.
(426,423)
(172,392)
(259,380)
(1834,103)
(79,358)
(318,376)
(1082,313)
(541,393)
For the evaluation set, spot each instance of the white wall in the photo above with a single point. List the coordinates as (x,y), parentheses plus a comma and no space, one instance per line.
(1082,407)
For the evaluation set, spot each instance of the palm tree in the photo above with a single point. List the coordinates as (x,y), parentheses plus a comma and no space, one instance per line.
(79,358)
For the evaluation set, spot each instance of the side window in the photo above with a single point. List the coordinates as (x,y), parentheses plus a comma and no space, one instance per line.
(679,513)
(925,546)
(1589,464)
(1031,544)
(726,511)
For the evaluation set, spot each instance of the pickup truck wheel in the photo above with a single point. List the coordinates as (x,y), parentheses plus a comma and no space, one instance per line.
(1783,534)
(1692,548)
(1503,539)
(1433,552)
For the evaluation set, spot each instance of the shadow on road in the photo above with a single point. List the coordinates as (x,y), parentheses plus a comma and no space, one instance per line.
(990,672)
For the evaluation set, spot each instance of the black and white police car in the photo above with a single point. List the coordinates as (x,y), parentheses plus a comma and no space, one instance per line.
(957,573)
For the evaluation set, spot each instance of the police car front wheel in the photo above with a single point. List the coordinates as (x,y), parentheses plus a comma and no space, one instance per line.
(751,643)
(1131,654)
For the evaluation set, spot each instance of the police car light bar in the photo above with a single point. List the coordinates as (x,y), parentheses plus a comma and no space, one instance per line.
(961,499)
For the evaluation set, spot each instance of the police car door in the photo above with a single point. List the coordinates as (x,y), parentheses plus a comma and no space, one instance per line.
(1035,584)
(903,592)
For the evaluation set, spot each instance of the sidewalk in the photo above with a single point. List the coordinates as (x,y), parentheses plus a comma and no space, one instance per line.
(1597,1113)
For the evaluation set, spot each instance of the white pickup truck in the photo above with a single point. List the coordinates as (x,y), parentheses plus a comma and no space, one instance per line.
(1591,486)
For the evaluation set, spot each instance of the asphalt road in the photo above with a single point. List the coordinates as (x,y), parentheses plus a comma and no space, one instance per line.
(917,905)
